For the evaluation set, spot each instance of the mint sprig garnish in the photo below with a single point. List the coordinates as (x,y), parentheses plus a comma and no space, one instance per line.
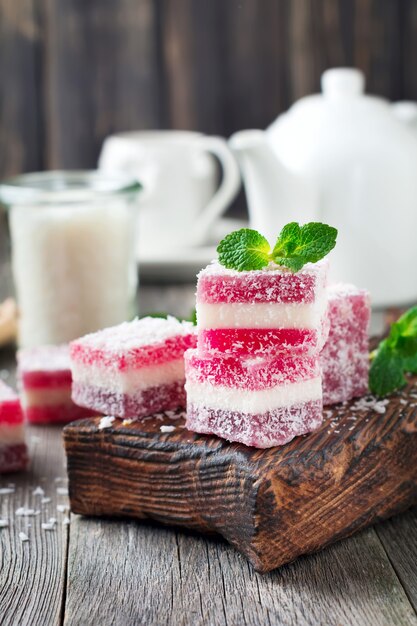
(246,249)
(395,356)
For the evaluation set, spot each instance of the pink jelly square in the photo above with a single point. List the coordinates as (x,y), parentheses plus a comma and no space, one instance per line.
(345,356)
(259,313)
(134,369)
(261,402)
(44,375)
(10,408)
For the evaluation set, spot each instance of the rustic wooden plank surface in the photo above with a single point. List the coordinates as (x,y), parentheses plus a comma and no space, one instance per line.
(127,574)
(32,573)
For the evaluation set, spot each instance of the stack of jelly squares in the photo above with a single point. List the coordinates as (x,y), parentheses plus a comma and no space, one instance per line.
(263,363)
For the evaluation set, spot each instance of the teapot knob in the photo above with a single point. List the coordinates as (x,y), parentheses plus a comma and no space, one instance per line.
(342,81)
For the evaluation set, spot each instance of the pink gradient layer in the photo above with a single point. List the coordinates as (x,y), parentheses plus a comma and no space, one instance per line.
(345,357)
(145,402)
(57,414)
(10,408)
(13,458)
(274,428)
(216,284)
(252,374)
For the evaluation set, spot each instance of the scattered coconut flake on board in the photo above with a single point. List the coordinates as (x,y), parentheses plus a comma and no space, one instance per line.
(62,508)
(62,491)
(45,500)
(66,521)
(50,525)
(4,523)
(127,421)
(166,429)
(364,404)
(25,512)
(59,479)
(38,492)
(106,422)
(4,491)
(23,536)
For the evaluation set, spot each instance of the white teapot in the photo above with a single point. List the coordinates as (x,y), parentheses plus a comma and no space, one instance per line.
(350,160)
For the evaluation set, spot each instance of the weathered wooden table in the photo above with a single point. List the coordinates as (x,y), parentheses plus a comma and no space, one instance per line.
(106,572)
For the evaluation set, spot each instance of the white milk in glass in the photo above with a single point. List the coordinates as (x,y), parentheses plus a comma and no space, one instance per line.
(74,268)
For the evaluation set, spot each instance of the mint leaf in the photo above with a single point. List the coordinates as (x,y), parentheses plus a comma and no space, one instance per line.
(298,245)
(396,355)
(244,250)
(387,371)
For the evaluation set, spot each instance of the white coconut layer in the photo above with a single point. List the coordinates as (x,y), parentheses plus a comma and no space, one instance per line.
(46,397)
(260,315)
(247,401)
(12,434)
(132,380)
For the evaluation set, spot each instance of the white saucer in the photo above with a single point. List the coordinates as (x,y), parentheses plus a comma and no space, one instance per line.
(182,264)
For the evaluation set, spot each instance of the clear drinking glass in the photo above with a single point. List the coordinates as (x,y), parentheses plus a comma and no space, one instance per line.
(73,252)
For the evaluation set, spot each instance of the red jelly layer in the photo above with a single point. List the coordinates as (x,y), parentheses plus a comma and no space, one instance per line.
(257,341)
(146,402)
(13,458)
(46,379)
(274,428)
(252,374)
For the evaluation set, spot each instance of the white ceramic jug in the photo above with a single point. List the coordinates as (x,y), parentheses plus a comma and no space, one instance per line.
(350,160)
(178,171)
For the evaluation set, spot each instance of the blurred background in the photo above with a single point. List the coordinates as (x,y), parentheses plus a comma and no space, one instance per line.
(74,71)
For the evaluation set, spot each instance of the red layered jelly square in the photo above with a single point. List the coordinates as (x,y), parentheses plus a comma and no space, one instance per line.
(13,450)
(345,357)
(258,313)
(261,402)
(45,379)
(134,369)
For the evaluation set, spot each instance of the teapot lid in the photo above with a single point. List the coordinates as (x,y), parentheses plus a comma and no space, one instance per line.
(342,81)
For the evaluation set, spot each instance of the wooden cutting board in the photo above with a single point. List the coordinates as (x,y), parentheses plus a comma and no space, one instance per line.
(273,505)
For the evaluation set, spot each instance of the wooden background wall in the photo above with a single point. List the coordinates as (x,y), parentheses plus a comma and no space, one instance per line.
(73,71)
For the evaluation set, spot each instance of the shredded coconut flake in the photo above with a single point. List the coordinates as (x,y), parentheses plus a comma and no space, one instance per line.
(166,429)
(106,422)
(66,521)
(38,492)
(62,491)
(62,508)
(4,491)
(45,500)
(25,512)
(23,537)
(4,523)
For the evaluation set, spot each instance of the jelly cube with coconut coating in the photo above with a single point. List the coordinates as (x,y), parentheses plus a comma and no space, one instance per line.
(45,379)
(261,402)
(13,450)
(258,313)
(134,369)
(345,356)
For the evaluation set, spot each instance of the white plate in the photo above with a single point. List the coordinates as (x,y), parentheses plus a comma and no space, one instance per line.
(182,264)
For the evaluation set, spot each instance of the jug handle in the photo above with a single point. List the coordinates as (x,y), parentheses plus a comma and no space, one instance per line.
(225,194)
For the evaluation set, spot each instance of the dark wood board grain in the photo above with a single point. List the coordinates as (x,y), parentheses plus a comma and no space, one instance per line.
(273,505)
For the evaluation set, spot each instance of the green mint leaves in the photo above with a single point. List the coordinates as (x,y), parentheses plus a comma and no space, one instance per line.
(396,356)
(243,250)
(246,249)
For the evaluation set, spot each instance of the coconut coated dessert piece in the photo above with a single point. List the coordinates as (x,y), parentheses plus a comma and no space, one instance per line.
(134,369)
(259,312)
(13,450)
(45,379)
(345,356)
(261,402)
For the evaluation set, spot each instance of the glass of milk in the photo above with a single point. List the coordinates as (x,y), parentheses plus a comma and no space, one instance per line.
(73,252)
